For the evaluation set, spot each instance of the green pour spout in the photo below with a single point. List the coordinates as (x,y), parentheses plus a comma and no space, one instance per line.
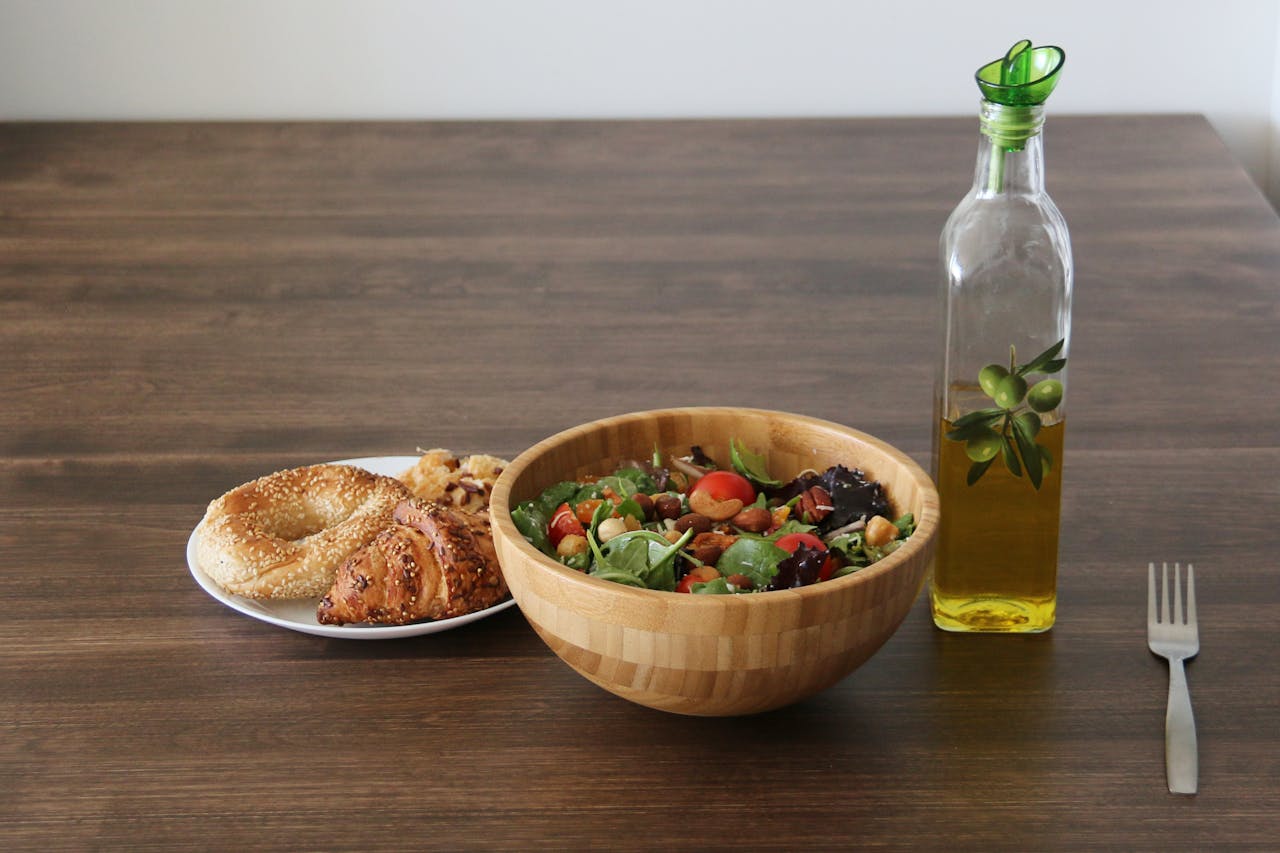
(1014,89)
(1023,77)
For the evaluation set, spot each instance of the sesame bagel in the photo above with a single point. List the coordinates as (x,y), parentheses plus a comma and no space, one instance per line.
(284,535)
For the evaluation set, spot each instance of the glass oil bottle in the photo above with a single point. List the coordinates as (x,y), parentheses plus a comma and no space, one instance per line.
(1000,414)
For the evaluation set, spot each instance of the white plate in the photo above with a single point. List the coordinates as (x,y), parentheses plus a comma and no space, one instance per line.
(300,614)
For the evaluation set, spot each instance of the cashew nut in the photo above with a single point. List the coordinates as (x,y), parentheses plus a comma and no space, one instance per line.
(703,504)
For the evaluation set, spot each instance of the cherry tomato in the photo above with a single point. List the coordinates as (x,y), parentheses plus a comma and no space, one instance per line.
(792,541)
(725,486)
(563,523)
(701,574)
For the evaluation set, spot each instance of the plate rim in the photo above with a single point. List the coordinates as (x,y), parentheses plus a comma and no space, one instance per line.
(249,607)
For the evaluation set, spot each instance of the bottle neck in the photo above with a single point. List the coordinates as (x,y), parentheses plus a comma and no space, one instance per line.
(1010,151)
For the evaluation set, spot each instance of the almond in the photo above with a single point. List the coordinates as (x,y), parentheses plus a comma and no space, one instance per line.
(753,519)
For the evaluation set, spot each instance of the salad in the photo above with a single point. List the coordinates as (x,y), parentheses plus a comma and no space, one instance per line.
(688,524)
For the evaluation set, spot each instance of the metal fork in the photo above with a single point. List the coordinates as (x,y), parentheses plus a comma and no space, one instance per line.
(1176,638)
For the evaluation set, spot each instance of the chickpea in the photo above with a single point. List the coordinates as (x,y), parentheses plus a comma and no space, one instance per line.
(571,545)
(880,531)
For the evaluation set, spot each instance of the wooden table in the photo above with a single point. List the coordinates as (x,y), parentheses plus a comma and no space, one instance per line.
(184,307)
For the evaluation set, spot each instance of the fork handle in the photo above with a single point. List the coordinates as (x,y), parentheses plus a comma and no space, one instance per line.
(1180,758)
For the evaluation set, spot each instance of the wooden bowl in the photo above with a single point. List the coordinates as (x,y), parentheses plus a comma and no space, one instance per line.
(714,655)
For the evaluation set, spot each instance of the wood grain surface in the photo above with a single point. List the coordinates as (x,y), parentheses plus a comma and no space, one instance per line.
(184,307)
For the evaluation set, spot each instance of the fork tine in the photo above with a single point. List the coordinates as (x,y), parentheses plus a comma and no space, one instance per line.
(1191,595)
(1151,593)
(1177,595)
(1164,593)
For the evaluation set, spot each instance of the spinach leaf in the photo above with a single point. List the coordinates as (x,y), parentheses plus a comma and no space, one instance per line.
(618,576)
(758,559)
(719,586)
(630,555)
(631,508)
(532,524)
(750,465)
(578,562)
(661,572)
(603,511)
(553,496)
(622,486)
(643,482)
(640,554)
(591,491)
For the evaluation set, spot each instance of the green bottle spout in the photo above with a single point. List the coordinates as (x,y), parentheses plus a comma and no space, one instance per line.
(1014,89)
(1023,77)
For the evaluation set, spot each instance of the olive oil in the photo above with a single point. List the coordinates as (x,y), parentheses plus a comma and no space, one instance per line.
(997,553)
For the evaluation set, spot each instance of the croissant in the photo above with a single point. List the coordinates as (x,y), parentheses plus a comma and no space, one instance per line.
(434,562)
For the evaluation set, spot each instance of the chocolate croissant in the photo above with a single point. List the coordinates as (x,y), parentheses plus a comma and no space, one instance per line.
(434,562)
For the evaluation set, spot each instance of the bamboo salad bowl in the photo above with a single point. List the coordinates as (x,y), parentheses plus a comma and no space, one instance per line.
(714,655)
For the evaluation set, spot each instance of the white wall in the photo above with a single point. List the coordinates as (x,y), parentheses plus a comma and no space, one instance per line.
(147,59)
(1273,161)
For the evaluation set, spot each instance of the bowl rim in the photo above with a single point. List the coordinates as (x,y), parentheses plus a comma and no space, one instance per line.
(500,512)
